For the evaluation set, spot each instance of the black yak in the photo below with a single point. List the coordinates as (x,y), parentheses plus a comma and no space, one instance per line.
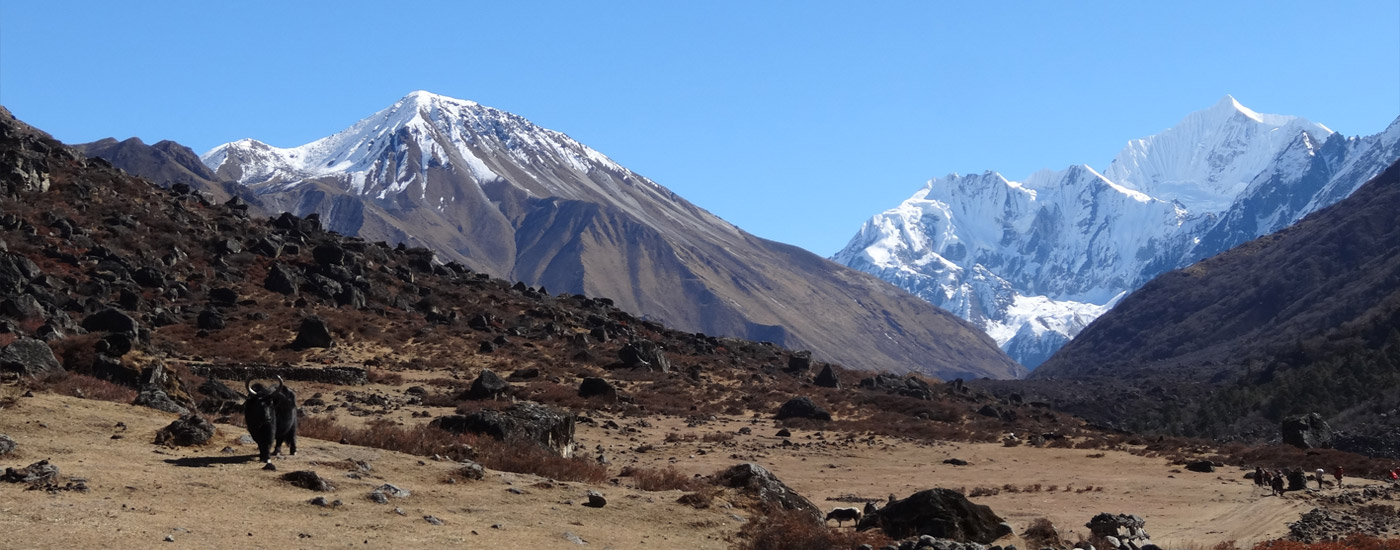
(271,416)
(843,514)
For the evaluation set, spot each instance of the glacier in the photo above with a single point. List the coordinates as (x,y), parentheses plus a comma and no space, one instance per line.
(1033,262)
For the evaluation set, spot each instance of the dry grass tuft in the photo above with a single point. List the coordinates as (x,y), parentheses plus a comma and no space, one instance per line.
(664,479)
(87,387)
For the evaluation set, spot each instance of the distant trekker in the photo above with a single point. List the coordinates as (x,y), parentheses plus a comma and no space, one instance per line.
(1395,475)
(1278,483)
(1337,473)
(1320,474)
(1259,476)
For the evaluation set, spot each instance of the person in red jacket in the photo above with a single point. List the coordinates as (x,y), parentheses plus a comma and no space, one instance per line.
(1395,474)
(1337,473)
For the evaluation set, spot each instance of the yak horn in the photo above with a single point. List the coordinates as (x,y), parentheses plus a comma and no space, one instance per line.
(249,385)
(280,383)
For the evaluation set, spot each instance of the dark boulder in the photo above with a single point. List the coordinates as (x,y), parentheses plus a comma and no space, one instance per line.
(941,513)
(1123,527)
(1307,431)
(546,426)
(307,479)
(644,353)
(313,333)
(190,429)
(597,387)
(800,362)
(802,407)
(487,386)
(7,445)
(1202,466)
(29,357)
(525,374)
(210,319)
(281,279)
(328,254)
(111,320)
(596,500)
(37,473)
(117,344)
(22,307)
(827,378)
(758,483)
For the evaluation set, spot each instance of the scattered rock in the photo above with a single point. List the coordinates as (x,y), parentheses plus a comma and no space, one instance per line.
(432,520)
(596,500)
(111,320)
(393,491)
(190,429)
(956,462)
(7,445)
(471,470)
(574,538)
(34,474)
(1202,466)
(802,407)
(308,479)
(157,399)
(799,362)
(1126,528)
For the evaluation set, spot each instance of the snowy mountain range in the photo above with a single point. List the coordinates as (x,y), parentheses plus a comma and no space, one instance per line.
(503,196)
(1033,262)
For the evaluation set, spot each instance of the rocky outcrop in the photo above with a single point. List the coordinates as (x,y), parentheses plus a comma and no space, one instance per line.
(1308,431)
(545,426)
(190,429)
(941,513)
(760,484)
(29,357)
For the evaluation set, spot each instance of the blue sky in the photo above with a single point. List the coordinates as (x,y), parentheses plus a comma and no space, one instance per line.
(794,120)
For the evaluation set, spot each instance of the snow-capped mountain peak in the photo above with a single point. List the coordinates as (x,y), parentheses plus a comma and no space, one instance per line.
(1033,262)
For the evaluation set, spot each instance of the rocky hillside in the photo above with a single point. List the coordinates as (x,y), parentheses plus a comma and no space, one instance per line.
(500,195)
(1302,320)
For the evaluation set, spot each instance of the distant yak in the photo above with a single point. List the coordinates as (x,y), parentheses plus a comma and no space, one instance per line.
(271,416)
(843,514)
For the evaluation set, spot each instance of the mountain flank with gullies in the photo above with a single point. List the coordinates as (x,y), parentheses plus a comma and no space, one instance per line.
(500,195)
(1304,320)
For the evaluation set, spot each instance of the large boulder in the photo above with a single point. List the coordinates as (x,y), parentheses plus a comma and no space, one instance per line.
(281,279)
(29,357)
(941,513)
(760,484)
(1123,527)
(487,385)
(313,333)
(592,387)
(799,362)
(188,430)
(111,320)
(1307,431)
(802,407)
(546,426)
(827,378)
(6,445)
(644,353)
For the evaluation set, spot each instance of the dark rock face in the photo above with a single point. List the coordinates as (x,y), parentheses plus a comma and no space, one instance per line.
(1202,466)
(546,426)
(802,407)
(827,378)
(313,333)
(7,445)
(487,386)
(340,376)
(759,483)
(34,474)
(597,387)
(644,353)
(29,357)
(190,429)
(210,319)
(1307,431)
(307,479)
(941,513)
